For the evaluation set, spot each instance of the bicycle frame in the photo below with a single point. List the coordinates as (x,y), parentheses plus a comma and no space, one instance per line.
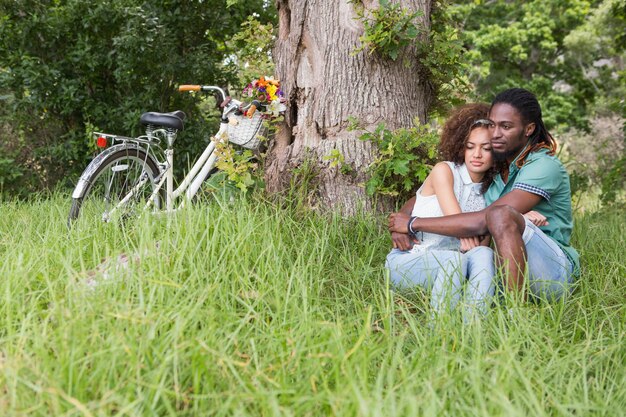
(195,177)
(190,184)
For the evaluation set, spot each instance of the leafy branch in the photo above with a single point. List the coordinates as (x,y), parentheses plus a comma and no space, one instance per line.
(388,29)
(405,157)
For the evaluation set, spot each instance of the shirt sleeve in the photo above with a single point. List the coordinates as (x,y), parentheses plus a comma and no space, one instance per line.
(540,176)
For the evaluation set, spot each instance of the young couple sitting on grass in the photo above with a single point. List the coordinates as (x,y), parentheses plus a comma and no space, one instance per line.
(501,182)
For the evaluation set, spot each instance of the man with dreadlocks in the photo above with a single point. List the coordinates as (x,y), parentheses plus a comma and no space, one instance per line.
(531,178)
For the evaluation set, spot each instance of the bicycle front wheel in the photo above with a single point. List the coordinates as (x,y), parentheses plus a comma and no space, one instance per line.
(119,187)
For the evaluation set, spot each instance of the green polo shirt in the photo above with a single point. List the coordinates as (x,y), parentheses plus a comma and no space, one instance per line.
(543,175)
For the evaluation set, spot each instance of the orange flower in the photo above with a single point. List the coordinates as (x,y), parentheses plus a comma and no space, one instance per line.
(262,83)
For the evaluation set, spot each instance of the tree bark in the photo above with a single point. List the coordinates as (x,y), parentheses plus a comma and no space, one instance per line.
(325,83)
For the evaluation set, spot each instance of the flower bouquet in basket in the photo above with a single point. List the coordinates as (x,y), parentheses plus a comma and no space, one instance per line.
(267,97)
(267,104)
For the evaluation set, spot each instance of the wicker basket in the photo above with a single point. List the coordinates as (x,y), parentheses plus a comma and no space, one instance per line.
(245,131)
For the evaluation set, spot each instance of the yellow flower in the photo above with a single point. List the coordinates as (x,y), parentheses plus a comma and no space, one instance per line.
(271,91)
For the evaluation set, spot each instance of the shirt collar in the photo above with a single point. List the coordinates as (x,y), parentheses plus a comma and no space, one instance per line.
(467,180)
(465,176)
(513,166)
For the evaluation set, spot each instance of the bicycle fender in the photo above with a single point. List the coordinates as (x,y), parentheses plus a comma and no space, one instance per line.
(83,181)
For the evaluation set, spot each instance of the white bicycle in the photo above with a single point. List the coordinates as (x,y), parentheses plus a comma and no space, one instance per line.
(134,174)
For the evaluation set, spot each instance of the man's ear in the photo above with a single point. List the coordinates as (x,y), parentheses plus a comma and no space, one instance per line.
(529,129)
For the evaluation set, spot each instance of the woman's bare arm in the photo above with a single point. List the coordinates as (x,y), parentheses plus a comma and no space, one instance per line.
(443,184)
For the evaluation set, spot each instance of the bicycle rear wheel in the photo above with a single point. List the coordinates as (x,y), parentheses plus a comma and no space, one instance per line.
(118,188)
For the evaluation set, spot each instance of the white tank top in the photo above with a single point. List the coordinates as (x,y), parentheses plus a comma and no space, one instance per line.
(467,194)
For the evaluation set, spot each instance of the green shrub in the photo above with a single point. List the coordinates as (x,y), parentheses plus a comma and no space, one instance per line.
(405,157)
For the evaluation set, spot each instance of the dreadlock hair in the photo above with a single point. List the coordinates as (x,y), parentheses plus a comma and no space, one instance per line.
(456,132)
(528,106)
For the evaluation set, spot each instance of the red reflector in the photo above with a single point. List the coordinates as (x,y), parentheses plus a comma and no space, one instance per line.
(101,142)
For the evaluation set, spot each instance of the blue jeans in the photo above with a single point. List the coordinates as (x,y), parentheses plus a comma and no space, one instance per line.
(443,273)
(549,269)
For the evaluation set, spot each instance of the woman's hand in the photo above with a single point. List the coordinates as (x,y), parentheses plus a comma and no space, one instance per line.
(403,241)
(536,218)
(398,222)
(469,243)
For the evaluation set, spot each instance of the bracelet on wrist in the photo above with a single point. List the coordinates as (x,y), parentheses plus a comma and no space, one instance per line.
(410,226)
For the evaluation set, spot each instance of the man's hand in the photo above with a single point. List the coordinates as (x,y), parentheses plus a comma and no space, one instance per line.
(403,241)
(536,218)
(398,222)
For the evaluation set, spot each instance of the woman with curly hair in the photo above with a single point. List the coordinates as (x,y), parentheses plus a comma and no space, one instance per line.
(442,264)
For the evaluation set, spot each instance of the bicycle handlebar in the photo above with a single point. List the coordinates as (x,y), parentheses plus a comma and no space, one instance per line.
(189,87)
(227,103)
(193,87)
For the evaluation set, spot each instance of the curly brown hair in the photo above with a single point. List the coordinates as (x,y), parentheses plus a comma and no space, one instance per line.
(456,130)
(455,133)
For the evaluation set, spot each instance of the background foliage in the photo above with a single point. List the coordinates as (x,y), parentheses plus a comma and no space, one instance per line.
(569,52)
(70,66)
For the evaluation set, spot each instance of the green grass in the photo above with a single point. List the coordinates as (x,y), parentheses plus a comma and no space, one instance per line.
(248,309)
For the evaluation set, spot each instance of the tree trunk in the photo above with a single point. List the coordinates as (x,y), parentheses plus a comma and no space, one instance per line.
(325,83)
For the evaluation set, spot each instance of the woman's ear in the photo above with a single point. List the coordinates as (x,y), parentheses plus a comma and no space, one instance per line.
(529,129)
